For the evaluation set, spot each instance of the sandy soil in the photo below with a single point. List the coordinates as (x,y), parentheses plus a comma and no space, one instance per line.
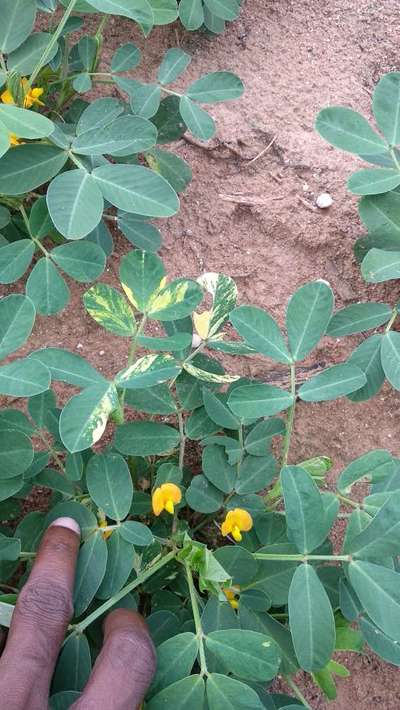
(259,223)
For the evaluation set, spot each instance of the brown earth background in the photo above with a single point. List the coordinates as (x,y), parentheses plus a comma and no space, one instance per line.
(259,224)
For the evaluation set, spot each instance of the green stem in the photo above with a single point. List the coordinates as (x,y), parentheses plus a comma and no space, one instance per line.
(300,558)
(3,64)
(299,695)
(182,443)
(290,417)
(27,555)
(28,227)
(142,577)
(394,315)
(54,38)
(197,621)
(131,355)
(348,501)
(76,161)
(169,91)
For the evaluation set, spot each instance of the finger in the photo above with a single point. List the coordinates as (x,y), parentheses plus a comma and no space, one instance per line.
(125,666)
(43,610)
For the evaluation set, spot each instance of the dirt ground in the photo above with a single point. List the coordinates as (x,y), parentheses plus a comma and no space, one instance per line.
(259,222)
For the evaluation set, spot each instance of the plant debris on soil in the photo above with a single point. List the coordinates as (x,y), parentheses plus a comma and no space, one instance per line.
(251,212)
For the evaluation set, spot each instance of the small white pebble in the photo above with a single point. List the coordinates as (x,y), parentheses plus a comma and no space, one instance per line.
(102,352)
(196,340)
(79,346)
(324,200)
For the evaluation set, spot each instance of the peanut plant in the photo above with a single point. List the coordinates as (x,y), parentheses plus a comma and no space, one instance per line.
(231,561)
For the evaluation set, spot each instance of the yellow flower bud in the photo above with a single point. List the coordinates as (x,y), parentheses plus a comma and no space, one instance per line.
(236,522)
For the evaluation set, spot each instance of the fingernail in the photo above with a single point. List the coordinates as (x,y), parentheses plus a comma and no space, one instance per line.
(69,523)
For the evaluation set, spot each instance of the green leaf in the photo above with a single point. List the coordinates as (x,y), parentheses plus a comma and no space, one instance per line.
(380,643)
(110,309)
(173,343)
(239,564)
(91,567)
(311,618)
(255,474)
(168,120)
(191,14)
(63,700)
(75,203)
(74,467)
(83,261)
(29,54)
(134,188)
(175,660)
(259,437)
(217,410)
(68,367)
(307,317)
(175,301)
(224,693)
(380,265)
(85,416)
(357,318)
(141,275)
(225,9)
(24,123)
(246,654)
(172,167)
(390,356)
(17,21)
(11,487)
(124,136)
(28,166)
(101,236)
(148,371)
(381,538)
(74,665)
(199,425)
(332,383)
(109,485)
(145,99)
(10,548)
(197,120)
(47,288)
(145,438)
(99,113)
(207,376)
(378,589)
(385,106)
(17,316)
(136,533)
(5,216)
(24,378)
(174,63)
(368,358)
(217,470)
(153,400)
(376,465)
(39,406)
(254,401)
(140,10)
(348,130)
(215,87)
(373,182)
(381,213)
(185,693)
(39,220)
(141,234)
(120,558)
(164,11)
(16,420)
(307,523)
(260,331)
(202,496)
(126,57)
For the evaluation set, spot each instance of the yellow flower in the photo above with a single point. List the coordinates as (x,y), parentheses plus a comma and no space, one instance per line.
(202,323)
(165,498)
(103,524)
(236,522)
(231,594)
(32,96)
(14,140)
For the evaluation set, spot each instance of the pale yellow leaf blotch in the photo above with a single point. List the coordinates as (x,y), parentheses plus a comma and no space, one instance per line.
(202,323)
(130,296)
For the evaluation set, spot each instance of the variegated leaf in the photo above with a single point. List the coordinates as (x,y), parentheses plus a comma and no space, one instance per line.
(85,416)
(224,293)
(148,371)
(175,301)
(110,309)
(208,376)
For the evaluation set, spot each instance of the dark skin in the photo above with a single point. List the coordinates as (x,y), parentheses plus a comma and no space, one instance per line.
(125,666)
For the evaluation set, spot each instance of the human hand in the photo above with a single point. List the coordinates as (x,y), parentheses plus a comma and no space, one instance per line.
(125,666)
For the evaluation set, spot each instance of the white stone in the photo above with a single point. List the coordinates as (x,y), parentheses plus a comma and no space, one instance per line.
(324,200)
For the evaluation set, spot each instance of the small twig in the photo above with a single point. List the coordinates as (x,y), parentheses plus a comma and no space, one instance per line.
(307,204)
(241,199)
(265,150)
